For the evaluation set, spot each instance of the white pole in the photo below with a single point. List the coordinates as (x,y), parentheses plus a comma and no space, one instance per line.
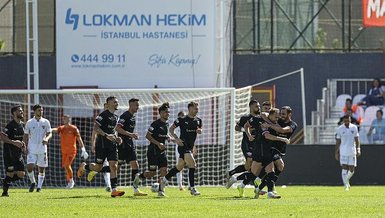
(303,104)
(35,49)
(232,130)
(222,73)
(28,56)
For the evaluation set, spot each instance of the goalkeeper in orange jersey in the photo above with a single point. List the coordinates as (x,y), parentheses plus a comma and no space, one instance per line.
(69,134)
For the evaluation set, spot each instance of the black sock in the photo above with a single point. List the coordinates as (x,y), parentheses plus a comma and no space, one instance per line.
(142,177)
(238,169)
(277,172)
(172,173)
(270,181)
(248,178)
(7,180)
(87,167)
(191,177)
(105,169)
(114,182)
(263,183)
(133,173)
(15,178)
(242,176)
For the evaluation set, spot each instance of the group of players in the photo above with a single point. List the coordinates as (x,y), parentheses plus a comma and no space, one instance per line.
(112,142)
(266,133)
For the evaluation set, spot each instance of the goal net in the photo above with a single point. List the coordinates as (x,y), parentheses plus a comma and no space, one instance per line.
(218,146)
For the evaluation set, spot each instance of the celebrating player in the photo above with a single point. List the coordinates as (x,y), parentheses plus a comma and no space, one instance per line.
(347,149)
(12,135)
(37,133)
(106,144)
(190,126)
(69,134)
(157,134)
(127,150)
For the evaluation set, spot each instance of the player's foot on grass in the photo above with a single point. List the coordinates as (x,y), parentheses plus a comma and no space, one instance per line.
(181,188)
(91,175)
(32,187)
(347,187)
(38,190)
(231,181)
(108,189)
(139,193)
(136,181)
(262,192)
(117,193)
(194,191)
(161,194)
(5,194)
(163,183)
(81,170)
(271,195)
(241,191)
(256,193)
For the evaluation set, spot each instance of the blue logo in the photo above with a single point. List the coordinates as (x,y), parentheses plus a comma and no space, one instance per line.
(74,58)
(72,19)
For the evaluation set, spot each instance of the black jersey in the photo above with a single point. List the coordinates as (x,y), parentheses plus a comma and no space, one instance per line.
(159,131)
(14,131)
(127,121)
(242,121)
(188,129)
(107,121)
(281,146)
(255,122)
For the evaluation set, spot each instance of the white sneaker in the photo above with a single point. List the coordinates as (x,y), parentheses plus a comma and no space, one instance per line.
(231,181)
(272,195)
(136,181)
(70,184)
(194,191)
(161,194)
(163,183)
(347,187)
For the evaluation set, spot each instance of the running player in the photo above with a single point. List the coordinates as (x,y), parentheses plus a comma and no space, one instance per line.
(127,150)
(179,176)
(37,133)
(69,134)
(190,126)
(13,148)
(157,134)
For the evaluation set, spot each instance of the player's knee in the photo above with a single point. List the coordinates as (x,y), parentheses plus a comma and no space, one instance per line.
(151,173)
(20,174)
(134,165)
(281,167)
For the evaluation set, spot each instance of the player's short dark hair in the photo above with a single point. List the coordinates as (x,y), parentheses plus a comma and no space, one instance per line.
(109,98)
(382,113)
(349,100)
(273,111)
(36,106)
(266,103)
(133,100)
(346,116)
(14,108)
(287,108)
(181,113)
(164,107)
(192,104)
(253,101)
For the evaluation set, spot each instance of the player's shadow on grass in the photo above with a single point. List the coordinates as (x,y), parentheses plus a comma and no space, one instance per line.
(80,196)
(232,198)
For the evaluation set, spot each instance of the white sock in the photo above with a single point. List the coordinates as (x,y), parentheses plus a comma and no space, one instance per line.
(40,180)
(344,175)
(31,176)
(350,174)
(242,185)
(107,179)
(179,179)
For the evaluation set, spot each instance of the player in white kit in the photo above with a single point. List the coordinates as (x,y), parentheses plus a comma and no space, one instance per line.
(347,149)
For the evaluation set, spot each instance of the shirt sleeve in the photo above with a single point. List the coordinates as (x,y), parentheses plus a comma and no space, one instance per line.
(26,128)
(99,120)
(49,129)
(121,121)
(338,134)
(7,130)
(177,122)
(356,134)
(152,128)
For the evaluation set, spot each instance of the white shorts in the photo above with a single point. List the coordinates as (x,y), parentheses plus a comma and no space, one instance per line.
(40,160)
(348,160)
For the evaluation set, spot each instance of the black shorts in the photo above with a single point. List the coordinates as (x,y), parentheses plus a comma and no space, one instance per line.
(105,148)
(13,160)
(246,149)
(156,158)
(276,154)
(126,152)
(182,150)
(262,154)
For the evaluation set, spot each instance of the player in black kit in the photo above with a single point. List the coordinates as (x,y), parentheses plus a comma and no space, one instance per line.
(245,146)
(157,134)
(127,150)
(190,126)
(13,148)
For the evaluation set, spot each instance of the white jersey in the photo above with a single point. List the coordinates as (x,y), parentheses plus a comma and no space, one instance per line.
(37,130)
(347,135)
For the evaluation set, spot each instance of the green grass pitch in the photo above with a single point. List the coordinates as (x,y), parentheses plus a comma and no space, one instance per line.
(296,201)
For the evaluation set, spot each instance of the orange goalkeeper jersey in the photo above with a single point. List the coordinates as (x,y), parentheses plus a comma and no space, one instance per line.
(68,136)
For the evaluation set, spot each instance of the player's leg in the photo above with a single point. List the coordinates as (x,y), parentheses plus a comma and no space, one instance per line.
(112,157)
(179,175)
(344,161)
(352,163)
(135,174)
(270,176)
(69,158)
(162,165)
(42,163)
(101,153)
(106,176)
(31,161)
(180,165)
(191,164)
(152,161)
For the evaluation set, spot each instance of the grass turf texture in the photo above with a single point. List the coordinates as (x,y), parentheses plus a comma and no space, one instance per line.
(296,201)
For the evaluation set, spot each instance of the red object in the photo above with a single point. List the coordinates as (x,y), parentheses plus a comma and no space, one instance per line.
(373,13)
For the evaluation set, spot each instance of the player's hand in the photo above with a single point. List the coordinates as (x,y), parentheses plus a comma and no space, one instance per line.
(119,140)
(358,152)
(251,138)
(337,156)
(179,142)
(162,147)
(135,136)
(199,131)
(286,141)
(111,137)
(18,144)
